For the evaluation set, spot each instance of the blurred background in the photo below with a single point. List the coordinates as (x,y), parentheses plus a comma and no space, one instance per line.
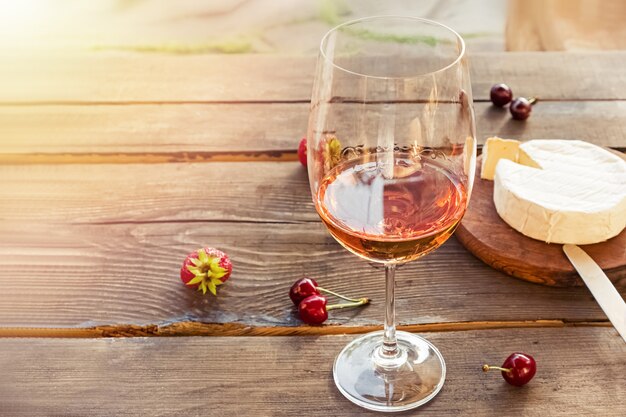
(295,26)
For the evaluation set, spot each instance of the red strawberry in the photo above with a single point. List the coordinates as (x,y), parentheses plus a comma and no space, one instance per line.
(302,151)
(206,269)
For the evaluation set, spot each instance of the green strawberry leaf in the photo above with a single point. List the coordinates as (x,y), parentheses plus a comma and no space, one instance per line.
(218,274)
(216,270)
(196,280)
(194,270)
(216,281)
(212,288)
(202,256)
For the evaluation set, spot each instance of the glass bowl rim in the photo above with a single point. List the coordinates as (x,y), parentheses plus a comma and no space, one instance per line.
(458,37)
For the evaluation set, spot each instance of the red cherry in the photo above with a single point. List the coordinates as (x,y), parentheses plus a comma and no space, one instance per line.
(302,151)
(522,369)
(521,108)
(302,289)
(312,310)
(518,369)
(500,94)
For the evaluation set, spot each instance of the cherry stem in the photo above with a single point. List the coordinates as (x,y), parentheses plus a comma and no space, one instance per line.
(356,303)
(487,368)
(533,100)
(343,297)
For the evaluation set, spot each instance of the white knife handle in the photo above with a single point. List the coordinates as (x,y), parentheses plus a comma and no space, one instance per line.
(600,286)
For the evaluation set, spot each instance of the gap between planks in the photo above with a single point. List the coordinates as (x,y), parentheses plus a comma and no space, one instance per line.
(160,157)
(242,102)
(180,329)
(146,158)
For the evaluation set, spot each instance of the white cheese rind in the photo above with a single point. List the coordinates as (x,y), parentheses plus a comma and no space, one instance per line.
(578,196)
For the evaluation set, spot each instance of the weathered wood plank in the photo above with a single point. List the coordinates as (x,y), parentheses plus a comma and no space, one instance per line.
(193,132)
(161,192)
(96,76)
(80,276)
(282,376)
(152,128)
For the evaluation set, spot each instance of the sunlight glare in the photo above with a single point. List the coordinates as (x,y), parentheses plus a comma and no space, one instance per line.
(22,20)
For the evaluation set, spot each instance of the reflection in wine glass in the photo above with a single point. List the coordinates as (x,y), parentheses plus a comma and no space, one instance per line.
(391,161)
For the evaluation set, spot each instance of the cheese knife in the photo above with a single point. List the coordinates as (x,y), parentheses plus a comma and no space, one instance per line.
(600,286)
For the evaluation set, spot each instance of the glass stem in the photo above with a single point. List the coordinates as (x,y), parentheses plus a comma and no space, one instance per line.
(390,345)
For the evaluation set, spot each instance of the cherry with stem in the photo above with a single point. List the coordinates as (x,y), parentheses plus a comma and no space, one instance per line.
(518,369)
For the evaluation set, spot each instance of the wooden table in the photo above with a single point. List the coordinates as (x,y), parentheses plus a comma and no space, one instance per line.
(115,165)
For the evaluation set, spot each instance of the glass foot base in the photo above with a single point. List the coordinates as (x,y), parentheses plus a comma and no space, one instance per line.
(379,385)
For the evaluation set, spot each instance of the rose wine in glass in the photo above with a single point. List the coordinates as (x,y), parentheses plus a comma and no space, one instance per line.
(391,219)
(391,158)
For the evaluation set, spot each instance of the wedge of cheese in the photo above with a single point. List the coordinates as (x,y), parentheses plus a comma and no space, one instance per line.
(495,149)
(562,191)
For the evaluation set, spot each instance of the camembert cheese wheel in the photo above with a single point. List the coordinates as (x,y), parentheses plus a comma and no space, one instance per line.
(562,191)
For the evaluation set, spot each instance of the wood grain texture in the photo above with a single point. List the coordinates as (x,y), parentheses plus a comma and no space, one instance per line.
(116,77)
(191,192)
(578,374)
(150,128)
(217,132)
(82,275)
(487,236)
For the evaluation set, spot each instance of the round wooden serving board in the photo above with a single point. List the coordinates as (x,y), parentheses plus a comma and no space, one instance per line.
(490,239)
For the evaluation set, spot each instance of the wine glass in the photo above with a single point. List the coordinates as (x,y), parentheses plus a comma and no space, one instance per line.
(391,158)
